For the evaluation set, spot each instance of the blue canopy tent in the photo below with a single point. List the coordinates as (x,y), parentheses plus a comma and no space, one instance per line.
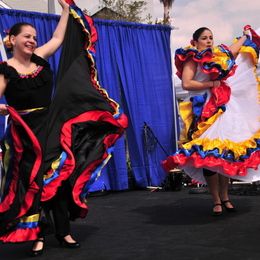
(134,65)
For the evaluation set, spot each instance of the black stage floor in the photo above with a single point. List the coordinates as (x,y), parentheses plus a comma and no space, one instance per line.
(157,225)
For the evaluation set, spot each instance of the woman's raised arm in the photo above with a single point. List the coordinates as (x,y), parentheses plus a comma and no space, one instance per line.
(235,47)
(55,42)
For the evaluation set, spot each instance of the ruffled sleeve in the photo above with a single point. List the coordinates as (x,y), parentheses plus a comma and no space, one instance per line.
(218,62)
(8,72)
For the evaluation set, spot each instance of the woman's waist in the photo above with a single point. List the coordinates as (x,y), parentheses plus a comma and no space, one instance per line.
(27,111)
(194,93)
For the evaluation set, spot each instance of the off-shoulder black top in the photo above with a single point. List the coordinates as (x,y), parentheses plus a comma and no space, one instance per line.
(31,90)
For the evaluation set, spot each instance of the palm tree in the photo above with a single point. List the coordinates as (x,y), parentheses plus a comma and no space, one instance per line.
(167,4)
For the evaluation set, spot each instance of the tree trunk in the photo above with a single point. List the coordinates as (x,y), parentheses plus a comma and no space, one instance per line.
(166,16)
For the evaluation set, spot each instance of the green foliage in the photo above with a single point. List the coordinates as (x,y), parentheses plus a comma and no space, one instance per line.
(127,10)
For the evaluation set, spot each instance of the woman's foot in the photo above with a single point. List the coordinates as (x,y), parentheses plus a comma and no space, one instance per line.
(228,206)
(67,241)
(217,209)
(37,247)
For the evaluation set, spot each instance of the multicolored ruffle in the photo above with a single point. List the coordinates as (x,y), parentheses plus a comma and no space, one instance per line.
(218,62)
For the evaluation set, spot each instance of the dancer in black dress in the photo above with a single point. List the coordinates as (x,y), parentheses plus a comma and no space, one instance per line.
(53,148)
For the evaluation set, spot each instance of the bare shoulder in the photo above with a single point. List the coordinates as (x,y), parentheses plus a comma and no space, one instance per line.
(10,62)
(191,64)
(39,52)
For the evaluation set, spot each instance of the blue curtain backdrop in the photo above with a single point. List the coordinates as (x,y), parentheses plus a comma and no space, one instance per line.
(136,59)
(134,65)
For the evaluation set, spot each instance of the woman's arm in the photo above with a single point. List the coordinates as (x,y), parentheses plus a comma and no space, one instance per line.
(55,42)
(188,82)
(3,83)
(235,47)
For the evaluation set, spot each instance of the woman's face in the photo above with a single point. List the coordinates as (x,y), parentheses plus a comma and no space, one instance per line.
(25,42)
(204,41)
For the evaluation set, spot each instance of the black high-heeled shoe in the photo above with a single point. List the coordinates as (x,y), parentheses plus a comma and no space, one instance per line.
(217,213)
(34,253)
(224,202)
(67,244)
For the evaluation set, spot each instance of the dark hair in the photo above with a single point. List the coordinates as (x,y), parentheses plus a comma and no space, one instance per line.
(17,28)
(198,33)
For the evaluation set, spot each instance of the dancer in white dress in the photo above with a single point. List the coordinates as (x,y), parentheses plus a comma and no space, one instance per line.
(221,117)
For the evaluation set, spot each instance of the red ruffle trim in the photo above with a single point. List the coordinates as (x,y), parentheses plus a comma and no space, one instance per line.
(219,97)
(70,2)
(93,33)
(255,36)
(33,187)
(231,169)
(21,235)
(180,59)
(69,164)
(206,57)
(85,176)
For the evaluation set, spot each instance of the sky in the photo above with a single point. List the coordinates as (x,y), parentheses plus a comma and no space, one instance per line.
(226,18)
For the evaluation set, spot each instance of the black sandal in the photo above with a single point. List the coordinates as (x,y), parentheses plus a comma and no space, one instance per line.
(64,243)
(217,213)
(34,253)
(224,202)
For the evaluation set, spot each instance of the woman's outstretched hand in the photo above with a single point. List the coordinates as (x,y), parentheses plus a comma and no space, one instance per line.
(215,83)
(63,4)
(3,110)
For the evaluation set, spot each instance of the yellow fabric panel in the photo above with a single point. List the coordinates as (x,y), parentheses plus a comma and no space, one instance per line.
(32,218)
(185,111)
(203,126)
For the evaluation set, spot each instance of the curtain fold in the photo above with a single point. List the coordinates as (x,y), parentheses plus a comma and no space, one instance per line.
(134,65)
(135,59)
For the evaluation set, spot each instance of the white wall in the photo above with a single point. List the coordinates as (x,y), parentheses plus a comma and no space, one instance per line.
(83,4)
(28,5)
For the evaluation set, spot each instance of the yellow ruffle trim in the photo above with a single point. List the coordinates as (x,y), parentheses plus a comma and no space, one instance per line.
(185,111)
(220,57)
(238,149)
(90,56)
(202,127)
(251,51)
(186,115)
(258,87)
